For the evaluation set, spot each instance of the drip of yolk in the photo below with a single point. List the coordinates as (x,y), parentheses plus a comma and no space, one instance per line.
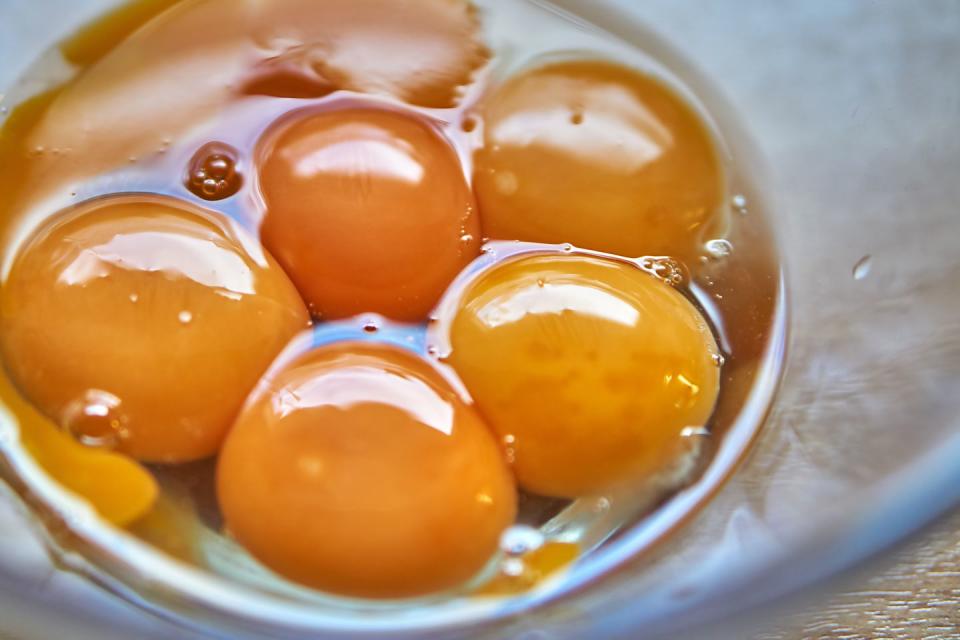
(367,211)
(357,470)
(119,489)
(141,323)
(599,156)
(535,567)
(591,368)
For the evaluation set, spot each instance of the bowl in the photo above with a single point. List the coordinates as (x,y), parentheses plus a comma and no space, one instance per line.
(817,106)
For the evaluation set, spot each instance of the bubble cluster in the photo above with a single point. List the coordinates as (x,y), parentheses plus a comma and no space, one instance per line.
(664,268)
(213,174)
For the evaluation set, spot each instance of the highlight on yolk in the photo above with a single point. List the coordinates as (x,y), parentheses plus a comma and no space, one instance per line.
(141,323)
(194,60)
(368,211)
(357,470)
(600,156)
(590,368)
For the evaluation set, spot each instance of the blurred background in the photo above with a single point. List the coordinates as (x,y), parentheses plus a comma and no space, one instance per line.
(856,106)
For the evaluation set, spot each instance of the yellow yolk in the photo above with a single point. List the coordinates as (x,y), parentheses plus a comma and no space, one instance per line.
(357,470)
(597,155)
(142,323)
(119,489)
(367,211)
(590,369)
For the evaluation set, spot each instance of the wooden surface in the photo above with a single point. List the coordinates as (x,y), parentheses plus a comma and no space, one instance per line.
(913,592)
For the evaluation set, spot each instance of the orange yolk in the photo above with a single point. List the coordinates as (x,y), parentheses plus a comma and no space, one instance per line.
(119,489)
(367,211)
(590,369)
(142,323)
(197,58)
(357,470)
(600,156)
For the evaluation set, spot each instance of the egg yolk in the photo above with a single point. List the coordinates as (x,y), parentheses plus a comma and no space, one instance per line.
(357,470)
(120,490)
(589,368)
(367,211)
(196,59)
(142,323)
(597,155)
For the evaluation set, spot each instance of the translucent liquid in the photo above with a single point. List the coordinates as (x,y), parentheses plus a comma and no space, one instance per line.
(52,160)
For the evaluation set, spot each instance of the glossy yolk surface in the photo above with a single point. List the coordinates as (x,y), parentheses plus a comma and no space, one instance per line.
(597,155)
(590,369)
(144,322)
(358,471)
(197,58)
(367,211)
(119,489)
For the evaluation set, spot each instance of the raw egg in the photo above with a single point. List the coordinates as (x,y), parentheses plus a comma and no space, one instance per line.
(141,323)
(589,368)
(196,60)
(600,156)
(357,470)
(367,210)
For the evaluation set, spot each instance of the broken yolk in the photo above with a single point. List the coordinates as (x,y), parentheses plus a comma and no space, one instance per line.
(141,324)
(119,489)
(590,369)
(600,156)
(368,211)
(357,470)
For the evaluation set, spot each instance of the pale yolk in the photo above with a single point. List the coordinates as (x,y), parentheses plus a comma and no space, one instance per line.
(142,323)
(357,470)
(600,156)
(196,58)
(590,369)
(367,211)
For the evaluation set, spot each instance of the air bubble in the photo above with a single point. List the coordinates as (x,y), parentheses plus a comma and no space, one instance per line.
(371,327)
(185,317)
(512,567)
(96,420)
(469,124)
(718,359)
(719,248)
(466,238)
(694,432)
(520,539)
(134,297)
(862,268)
(664,268)
(566,247)
(576,118)
(212,173)
(739,203)
(601,505)
(541,283)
